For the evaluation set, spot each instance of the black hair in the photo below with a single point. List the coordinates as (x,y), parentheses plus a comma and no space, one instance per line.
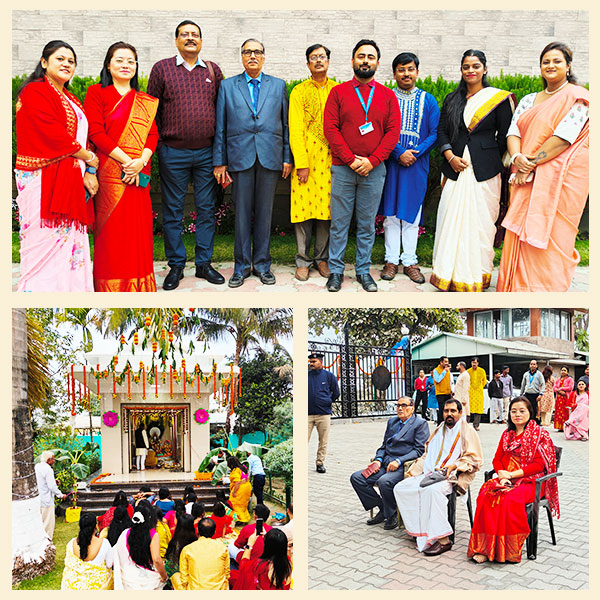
(442,359)
(275,551)
(87,528)
(164,493)
(404,58)
(233,462)
(581,381)
(179,506)
(497,371)
(159,513)
(184,534)
(120,522)
(120,499)
(565,367)
(105,76)
(475,358)
(366,43)
(197,509)
(191,498)
(189,489)
(454,401)
(49,49)
(262,511)
(567,53)
(527,403)
(139,536)
(456,101)
(218,509)
(151,509)
(145,488)
(505,367)
(206,527)
(314,47)
(187,22)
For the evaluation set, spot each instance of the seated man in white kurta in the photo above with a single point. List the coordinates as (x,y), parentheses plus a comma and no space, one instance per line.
(454,449)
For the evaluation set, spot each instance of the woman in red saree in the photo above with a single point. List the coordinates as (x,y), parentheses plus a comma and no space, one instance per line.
(123,130)
(563,387)
(55,175)
(525,452)
(548,141)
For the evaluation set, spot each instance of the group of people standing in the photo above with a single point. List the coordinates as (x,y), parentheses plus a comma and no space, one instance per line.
(354,148)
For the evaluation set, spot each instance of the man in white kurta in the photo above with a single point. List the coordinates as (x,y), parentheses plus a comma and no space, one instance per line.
(455,449)
(47,489)
(461,387)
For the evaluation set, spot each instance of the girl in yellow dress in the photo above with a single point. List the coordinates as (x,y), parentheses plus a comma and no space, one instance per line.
(240,489)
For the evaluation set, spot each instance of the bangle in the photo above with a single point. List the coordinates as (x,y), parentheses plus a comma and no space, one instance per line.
(453,157)
(91,170)
(89,160)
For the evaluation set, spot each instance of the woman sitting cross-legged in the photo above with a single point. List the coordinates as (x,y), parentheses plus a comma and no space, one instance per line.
(525,452)
(88,559)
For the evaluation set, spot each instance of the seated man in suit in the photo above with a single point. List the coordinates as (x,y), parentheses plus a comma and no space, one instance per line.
(453,453)
(404,440)
(252,144)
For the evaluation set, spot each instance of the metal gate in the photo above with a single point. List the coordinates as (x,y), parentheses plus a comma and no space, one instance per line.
(353,367)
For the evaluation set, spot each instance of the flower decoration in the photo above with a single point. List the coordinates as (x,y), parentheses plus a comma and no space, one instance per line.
(201,416)
(110,418)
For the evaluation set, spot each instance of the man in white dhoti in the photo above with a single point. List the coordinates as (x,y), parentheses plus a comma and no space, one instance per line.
(461,387)
(453,452)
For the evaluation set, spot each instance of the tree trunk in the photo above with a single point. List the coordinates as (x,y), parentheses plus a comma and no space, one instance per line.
(33,553)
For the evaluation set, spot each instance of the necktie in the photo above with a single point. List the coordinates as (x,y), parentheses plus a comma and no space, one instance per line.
(255,83)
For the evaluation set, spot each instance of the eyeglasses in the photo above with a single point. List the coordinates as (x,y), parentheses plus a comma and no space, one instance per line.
(257,53)
(120,61)
(188,34)
(403,405)
(316,58)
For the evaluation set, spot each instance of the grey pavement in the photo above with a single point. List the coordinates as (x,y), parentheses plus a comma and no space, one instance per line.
(347,554)
(287,283)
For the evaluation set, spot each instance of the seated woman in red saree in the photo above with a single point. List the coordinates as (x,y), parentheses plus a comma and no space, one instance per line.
(123,130)
(525,452)
(52,178)
(548,141)
(272,571)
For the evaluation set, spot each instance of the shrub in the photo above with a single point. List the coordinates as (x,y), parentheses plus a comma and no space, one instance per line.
(280,460)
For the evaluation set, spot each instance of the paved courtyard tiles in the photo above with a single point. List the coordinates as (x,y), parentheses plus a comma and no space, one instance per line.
(286,282)
(347,554)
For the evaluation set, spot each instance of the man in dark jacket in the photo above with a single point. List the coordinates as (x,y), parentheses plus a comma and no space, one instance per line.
(404,440)
(496,394)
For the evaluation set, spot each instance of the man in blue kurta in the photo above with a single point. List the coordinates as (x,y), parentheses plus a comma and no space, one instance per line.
(407,170)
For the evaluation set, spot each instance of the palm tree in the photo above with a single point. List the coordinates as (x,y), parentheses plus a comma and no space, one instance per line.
(33,553)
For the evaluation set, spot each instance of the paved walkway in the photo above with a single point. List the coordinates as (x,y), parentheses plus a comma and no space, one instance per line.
(287,283)
(345,553)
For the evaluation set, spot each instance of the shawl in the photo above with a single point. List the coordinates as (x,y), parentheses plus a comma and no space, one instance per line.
(535,439)
(46,140)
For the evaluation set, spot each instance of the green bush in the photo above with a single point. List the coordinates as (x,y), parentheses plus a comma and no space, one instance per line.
(280,460)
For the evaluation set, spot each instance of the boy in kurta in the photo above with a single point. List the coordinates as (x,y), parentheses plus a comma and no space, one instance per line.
(478,381)
(311,176)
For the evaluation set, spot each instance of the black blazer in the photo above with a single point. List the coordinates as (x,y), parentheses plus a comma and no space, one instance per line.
(487,142)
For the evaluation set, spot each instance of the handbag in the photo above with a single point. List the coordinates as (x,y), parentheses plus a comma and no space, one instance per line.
(432,478)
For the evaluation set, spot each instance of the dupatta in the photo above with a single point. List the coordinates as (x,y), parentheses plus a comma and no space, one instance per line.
(129,121)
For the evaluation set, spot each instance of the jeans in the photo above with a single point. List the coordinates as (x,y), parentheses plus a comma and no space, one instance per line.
(179,166)
(350,191)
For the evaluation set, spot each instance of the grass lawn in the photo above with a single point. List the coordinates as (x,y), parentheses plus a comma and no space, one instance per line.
(283,249)
(51,581)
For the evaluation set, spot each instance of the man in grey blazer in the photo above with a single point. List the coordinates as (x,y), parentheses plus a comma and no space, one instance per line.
(404,440)
(251,143)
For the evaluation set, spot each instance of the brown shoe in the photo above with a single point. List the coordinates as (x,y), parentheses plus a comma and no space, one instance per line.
(323,269)
(414,273)
(389,271)
(436,549)
(301,274)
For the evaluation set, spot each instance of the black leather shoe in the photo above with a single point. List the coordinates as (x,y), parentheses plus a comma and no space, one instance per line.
(321,469)
(378,518)
(266,277)
(334,282)
(367,282)
(210,274)
(391,523)
(173,278)
(237,279)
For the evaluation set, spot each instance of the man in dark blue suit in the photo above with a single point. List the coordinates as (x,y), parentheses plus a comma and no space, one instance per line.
(404,440)
(252,144)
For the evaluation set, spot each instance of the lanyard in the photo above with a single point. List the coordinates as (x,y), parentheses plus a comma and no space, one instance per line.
(368,105)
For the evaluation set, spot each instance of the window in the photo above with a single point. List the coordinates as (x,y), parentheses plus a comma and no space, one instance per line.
(492,324)
(521,325)
(556,324)
(483,324)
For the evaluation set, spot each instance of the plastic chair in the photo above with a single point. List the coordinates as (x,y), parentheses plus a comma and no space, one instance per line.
(452,508)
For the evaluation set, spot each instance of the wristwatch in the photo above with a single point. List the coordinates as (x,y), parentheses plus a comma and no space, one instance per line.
(91,170)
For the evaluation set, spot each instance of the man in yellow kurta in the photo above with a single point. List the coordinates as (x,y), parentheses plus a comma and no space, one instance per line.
(311,176)
(478,381)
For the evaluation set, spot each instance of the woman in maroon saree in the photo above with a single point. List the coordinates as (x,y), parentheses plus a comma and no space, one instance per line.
(525,452)
(123,131)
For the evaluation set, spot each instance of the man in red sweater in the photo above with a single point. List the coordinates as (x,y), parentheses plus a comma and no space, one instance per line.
(187,88)
(362,126)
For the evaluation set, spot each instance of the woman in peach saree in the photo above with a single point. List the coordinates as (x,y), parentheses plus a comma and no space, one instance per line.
(549,146)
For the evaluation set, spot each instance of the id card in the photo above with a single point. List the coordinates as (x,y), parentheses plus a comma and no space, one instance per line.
(366,128)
